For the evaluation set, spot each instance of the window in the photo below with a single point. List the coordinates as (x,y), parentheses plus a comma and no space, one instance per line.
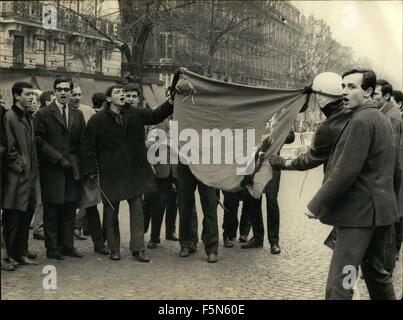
(166,43)
(61,50)
(98,61)
(18,50)
(40,45)
(41,50)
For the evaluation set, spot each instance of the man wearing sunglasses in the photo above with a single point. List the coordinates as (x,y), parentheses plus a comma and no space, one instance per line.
(58,130)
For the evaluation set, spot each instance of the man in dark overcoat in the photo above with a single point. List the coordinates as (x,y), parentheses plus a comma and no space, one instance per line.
(383,100)
(357,196)
(19,194)
(114,146)
(59,130)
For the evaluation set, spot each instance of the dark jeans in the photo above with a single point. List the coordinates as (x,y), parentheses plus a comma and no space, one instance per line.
(58,223)
(136,225)
(154,207)
(187,183)
(230,221)
(368,247)
(273,217)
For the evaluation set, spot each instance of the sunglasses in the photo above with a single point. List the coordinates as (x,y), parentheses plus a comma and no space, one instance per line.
(63,89)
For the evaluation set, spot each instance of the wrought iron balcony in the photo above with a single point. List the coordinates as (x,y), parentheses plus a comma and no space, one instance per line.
(31,12)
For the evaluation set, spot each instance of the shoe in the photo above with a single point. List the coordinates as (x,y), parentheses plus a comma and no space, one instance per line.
(252,243)
(243,239)
(78,235)
(6,266)
(12,262)
(26,261)
(275,248)
(172,237)
(141,256)
(86,233)
(212,258)
(228,243)
(38,236)
(31,255)
(184,252)
(54,255)
(152,245)
(102,251)
(193,248)
(72,253)
(114,256)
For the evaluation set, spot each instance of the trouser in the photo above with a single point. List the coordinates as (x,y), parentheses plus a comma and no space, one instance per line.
(3,247)
(16,225)
(366,247)
(58,223)
(38,219)
(90,217)
(171,211)
(273,218)
(136,225)
(398,234)
(187,214)
(154,207)
(255,213)
(230,220)
(81,221)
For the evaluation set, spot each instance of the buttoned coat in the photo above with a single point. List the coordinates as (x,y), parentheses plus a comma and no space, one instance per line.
(55,142)
(22,165)
(119,153)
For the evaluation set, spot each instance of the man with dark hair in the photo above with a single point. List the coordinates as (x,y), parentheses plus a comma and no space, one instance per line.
(357,196)
(114,146)
(98,100)
(397,96)
(88,213)
(19,199)
(46,98)
(59,130)
(132,96)
(382,98)
(6,265)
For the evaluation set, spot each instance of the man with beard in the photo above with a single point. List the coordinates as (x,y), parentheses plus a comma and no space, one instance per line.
(357,195)
(89,199)
(114,146)
(59,130)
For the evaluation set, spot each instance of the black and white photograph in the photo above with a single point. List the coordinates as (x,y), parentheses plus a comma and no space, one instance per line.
(201,155)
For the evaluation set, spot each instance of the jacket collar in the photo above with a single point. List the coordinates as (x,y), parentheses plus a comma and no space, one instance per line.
(387,107)
(20,113)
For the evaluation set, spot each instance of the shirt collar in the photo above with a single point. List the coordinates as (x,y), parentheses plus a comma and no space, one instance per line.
(60,106)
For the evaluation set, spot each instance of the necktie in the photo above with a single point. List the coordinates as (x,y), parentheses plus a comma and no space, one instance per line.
(64,115)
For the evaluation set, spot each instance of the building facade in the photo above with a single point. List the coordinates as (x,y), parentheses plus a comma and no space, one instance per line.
(39,42)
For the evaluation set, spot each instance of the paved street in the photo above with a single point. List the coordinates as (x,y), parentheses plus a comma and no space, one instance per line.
(299,272)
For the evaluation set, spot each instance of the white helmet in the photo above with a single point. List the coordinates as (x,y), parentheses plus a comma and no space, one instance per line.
(328,83)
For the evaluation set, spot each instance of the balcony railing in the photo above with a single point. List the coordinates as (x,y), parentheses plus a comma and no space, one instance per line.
(31,11)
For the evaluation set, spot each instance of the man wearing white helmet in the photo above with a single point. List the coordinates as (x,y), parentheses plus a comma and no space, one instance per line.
(357,196)
(327,91)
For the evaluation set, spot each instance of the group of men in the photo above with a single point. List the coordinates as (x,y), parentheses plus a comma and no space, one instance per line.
(79,156)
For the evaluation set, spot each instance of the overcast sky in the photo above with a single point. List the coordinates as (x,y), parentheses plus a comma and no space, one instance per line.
(373,29)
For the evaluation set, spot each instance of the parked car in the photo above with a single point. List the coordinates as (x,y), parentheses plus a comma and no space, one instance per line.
(300,145)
